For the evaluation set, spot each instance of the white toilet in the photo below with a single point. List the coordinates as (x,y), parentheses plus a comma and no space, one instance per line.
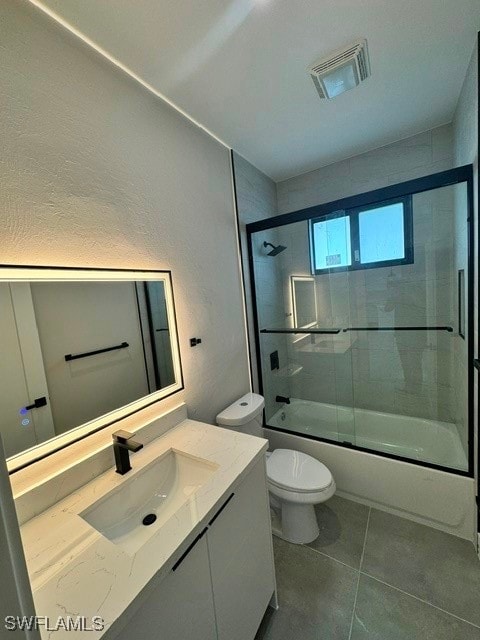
(296,481)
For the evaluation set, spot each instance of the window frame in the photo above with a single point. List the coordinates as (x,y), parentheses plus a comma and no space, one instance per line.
(353,214)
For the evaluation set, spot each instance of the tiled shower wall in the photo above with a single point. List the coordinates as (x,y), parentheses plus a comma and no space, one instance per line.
(420,155)
(257,200)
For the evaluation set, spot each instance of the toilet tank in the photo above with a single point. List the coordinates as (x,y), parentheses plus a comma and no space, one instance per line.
(245,415)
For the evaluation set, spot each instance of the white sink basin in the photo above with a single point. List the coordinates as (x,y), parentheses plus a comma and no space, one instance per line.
(158,491)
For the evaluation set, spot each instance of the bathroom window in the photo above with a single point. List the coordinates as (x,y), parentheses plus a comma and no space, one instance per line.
(378,235)
(331,242)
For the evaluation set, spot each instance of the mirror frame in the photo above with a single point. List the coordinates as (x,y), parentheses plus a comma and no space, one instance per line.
(20,273)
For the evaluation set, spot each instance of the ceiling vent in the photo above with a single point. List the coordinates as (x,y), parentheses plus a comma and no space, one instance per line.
(342,70)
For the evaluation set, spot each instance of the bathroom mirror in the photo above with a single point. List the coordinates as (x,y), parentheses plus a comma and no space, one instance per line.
(80,350)
(304,301)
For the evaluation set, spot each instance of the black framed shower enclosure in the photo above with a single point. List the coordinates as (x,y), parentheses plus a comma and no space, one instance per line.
(456,176)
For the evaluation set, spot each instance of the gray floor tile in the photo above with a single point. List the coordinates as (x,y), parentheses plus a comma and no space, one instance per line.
(316,596)
(432,565)
(383,613)
(342,526)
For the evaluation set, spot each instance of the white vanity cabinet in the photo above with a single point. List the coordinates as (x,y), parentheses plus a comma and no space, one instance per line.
(221,586)
(182,606)
(241,563)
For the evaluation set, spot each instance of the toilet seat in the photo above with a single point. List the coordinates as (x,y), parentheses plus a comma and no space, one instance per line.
(297,472)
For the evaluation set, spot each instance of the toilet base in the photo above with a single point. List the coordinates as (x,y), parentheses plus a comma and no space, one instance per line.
(295,523)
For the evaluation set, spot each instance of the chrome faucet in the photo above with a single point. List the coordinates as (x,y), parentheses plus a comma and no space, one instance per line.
(122,444)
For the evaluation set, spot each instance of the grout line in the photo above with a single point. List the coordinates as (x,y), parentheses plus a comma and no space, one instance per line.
(359,574)
(410,595)
(325,555)
(365,539)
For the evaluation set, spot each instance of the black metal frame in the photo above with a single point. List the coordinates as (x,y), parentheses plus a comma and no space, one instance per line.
(477,274)
(335,331)
(87,354)
(353,215)
(430,328)
(156,370)
(307,330)
(148,404)
(435,181)
(461,302)
(142,332)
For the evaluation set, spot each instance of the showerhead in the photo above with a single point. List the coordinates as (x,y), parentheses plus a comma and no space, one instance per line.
(275,249)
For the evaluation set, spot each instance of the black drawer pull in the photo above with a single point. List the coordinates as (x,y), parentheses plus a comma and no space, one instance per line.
(188,549)
(221,509)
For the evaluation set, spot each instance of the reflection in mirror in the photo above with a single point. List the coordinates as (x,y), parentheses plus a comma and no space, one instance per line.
(304,301)
(161,350)
(73,351)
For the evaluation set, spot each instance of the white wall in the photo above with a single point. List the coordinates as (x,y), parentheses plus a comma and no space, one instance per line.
(97,172)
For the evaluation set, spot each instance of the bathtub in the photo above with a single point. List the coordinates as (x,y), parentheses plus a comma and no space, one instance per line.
(408,437)
(431,496)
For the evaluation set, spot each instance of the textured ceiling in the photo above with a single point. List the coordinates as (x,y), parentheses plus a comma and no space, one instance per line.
(239,68)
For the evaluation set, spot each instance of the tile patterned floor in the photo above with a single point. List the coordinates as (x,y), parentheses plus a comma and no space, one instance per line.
(374,576)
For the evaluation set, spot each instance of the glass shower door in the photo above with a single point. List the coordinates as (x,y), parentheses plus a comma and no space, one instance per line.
(305,355)
(363,326)
(409,354)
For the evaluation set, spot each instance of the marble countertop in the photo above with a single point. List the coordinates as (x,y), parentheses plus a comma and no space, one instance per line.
(75,571)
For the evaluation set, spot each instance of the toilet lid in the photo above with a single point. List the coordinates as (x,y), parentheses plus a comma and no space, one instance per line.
(297,471)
